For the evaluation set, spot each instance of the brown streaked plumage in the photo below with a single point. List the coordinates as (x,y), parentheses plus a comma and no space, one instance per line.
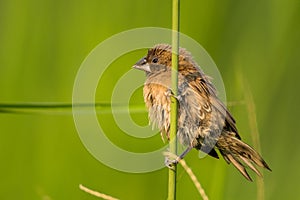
(204,122)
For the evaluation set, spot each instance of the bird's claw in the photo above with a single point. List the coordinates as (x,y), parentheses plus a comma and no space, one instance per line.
(169,93)
(170,162)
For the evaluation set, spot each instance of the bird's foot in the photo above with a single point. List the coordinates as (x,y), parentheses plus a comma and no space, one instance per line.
(171,160)
(169,93)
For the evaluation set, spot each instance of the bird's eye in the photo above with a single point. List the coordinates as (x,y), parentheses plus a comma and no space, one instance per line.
(155,60)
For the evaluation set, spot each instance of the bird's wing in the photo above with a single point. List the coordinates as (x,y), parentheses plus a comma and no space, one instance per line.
(208,96)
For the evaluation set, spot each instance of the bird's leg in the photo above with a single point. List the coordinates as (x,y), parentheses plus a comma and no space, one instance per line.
(188,149)
(170,162)
(184,153)
(170,94)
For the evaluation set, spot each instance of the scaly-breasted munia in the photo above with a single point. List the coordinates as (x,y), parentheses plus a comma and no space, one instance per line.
(204,122)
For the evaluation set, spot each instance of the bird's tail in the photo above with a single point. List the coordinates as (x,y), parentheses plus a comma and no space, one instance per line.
(240,155)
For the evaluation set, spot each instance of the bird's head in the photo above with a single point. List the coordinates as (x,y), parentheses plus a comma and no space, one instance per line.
(158,59)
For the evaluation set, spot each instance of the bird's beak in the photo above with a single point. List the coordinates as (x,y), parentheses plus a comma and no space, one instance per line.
(142,65)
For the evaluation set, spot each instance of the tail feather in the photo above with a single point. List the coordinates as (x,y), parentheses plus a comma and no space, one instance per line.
(240,155)
(239,166)
(249,164)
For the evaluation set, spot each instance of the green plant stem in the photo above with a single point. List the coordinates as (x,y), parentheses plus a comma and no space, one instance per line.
(254,134)
(173,123)
(66,108)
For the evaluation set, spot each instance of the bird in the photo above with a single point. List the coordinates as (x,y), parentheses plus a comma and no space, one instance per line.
(203,122)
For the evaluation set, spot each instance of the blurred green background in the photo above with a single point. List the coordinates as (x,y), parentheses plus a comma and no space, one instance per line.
(43,43)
